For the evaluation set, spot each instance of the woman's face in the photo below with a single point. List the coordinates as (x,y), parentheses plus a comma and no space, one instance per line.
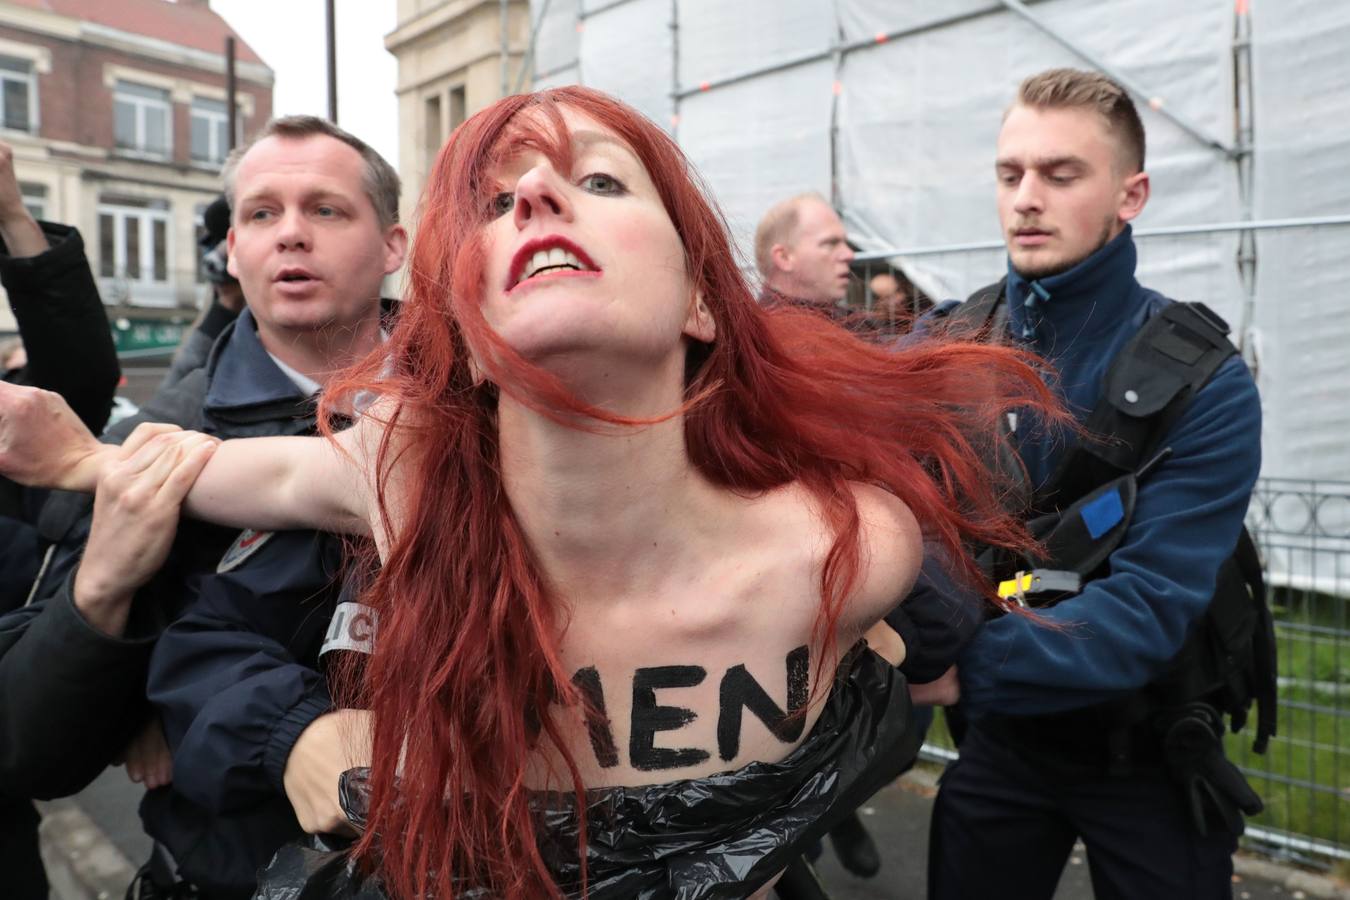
(586,264)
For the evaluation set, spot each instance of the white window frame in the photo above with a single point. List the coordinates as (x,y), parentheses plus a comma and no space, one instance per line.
(29,77)
(34,198)
(143,290)
(140,106)
(218,125)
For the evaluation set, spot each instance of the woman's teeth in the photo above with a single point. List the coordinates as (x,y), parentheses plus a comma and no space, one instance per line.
(550,259)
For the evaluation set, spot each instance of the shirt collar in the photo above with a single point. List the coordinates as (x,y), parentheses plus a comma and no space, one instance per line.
(308,386)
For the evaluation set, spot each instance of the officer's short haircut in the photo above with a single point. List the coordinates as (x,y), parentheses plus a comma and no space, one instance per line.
(1077,89)
(382,184)
(778,226)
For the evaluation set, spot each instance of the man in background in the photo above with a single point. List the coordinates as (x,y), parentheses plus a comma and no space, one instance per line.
(802,253)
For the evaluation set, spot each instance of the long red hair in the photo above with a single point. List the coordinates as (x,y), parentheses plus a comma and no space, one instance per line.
(466,672)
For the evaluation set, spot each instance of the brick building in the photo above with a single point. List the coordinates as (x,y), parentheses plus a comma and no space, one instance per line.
(117,115)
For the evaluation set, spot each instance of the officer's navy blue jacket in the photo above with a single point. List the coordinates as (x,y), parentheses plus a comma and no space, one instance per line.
(70,351)
(1122,629)
(232,699)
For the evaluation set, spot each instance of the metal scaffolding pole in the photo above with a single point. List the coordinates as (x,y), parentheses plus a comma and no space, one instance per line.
(332,61)
(504,15)
(675,70)
(527,64)
(1244,98)
(231,88)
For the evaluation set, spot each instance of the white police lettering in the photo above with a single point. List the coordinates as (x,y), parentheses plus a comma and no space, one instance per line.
(353,627)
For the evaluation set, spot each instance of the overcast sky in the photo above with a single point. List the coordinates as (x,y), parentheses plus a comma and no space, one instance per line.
(290,36)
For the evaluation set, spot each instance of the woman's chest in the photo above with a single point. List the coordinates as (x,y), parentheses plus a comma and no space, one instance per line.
(667,703)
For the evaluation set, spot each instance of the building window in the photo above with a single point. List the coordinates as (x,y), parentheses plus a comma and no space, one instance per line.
(432,125)
(458,107)
(211,129)
(34,199)
(18,94)
(133,247)
(142,119)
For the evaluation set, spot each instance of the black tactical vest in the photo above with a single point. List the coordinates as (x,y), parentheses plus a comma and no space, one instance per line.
(1080,516)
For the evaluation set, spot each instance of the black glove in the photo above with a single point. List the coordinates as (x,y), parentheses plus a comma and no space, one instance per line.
(1213,789)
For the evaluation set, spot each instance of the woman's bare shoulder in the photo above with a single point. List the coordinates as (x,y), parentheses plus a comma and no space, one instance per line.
(892,551)
(790,518)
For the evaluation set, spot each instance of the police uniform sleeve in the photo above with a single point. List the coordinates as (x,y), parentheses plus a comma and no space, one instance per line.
(937,620)
(71,696)
(63,324)
(234,678)
(1119,633)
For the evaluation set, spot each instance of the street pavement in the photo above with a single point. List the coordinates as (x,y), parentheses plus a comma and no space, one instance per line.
(897,817)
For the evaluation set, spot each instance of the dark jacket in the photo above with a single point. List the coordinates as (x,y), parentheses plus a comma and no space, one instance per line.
(63,325)
(70,351)
(235,678)
(72,695)
(1121,631)
(196,347)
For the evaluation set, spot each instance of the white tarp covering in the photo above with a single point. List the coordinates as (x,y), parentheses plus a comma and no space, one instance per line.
(919,116)
(892,109)
(1302,160)
(626,51)
(554,25)
(786,150)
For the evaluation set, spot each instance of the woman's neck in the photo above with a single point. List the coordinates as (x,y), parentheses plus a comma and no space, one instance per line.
(608,514)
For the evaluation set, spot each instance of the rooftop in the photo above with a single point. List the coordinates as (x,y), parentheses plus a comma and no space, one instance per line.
(191,23)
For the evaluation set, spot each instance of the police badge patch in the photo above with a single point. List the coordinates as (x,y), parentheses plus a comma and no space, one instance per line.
(248,543)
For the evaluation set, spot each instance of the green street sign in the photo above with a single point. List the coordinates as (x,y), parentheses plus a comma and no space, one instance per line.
(146,337)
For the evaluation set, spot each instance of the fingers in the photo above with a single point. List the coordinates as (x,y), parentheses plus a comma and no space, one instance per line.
(887,643)
(196,454)
(158,453)
(148,760)
(143,433)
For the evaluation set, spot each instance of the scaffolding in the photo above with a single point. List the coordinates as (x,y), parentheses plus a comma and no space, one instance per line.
(891,108)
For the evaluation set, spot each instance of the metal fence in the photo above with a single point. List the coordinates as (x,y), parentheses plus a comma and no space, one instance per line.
(1303,530)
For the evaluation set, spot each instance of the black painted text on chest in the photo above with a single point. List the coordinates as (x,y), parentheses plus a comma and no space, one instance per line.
(738,692)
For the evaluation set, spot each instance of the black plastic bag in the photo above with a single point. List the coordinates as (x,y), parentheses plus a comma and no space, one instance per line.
(318,868)
(714,838)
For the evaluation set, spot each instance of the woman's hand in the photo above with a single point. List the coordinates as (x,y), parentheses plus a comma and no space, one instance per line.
(44,444)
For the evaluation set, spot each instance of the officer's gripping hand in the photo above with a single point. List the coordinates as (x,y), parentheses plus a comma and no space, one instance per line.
(886,642)
(44,444)
(147,756)
(945,690)
(332,744)
(136,510)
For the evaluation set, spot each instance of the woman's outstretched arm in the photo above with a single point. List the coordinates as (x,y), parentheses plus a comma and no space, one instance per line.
(266,483)
(280,483)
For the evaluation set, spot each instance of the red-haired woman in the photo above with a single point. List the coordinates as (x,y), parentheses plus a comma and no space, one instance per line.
(630,525)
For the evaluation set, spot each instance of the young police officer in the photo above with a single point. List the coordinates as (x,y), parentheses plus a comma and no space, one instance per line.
(1053,751)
